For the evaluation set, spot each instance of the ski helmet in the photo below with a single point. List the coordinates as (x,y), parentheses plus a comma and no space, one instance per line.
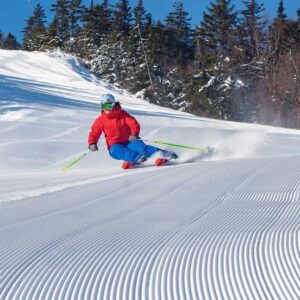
(107,98)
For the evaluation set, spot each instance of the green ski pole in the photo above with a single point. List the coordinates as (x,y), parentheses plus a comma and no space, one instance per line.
(176,145)
(76,161)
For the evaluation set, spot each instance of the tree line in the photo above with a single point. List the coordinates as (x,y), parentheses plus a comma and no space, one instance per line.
(235,65)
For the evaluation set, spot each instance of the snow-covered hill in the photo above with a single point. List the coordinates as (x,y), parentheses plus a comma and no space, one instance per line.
(218,226)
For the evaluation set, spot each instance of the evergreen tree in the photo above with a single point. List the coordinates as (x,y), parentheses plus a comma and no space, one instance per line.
(178,25)
(278,33)
(139,25)
(103,63)
(292,35)
(53,40)
(157,48)
(298,26)
(214,51)
(117,43)
(11,43)
(114,41)
(122,17)
(140,16)
(75,11)
(103,21)
(2,37)
(282,80)
(87,35)
(280,12)
(61,15)
(68,13)
(217,28)
(251,29)
(138,73)
(96,25)
(35,30)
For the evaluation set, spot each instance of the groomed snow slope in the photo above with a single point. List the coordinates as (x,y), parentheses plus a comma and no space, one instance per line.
(221,226)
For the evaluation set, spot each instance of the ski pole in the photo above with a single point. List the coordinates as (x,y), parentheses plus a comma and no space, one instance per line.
(176,145)
(76,161)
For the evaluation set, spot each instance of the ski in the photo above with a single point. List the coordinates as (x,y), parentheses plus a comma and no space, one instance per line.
(160,161)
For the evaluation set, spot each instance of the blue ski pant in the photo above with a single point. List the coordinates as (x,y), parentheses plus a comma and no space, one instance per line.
(132,151)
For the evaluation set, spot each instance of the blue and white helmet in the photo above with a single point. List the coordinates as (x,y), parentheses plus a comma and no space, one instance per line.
(107,98)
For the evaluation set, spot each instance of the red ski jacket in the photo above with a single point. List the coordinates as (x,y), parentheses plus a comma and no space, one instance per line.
(117,126)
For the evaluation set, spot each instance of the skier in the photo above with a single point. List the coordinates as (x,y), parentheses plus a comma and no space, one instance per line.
(121,132)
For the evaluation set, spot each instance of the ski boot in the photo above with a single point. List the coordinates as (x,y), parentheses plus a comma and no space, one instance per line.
(167,156)
(129,164)
(160,161)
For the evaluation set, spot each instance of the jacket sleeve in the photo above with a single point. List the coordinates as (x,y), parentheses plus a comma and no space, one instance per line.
(132,124)
(95,132)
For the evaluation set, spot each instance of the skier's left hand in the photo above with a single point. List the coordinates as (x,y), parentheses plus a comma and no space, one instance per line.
(132,138)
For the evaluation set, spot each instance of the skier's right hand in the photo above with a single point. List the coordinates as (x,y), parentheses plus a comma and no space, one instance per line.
(132,138)
(93,147)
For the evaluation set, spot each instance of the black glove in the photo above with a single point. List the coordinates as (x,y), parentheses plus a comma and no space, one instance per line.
(132,138)
(93,147)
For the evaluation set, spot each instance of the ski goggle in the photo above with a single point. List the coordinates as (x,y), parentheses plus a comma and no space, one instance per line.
(107,106)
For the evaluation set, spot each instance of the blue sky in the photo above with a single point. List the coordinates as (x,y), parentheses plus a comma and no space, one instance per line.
(13,13)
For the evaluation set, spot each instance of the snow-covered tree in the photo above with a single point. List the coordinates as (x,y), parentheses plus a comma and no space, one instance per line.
(52,40)
(61,16)
(96,25)
(35,30)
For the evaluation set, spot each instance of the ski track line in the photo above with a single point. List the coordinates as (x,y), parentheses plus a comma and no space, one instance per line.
(96,200)
(130,295)
(24,121)
(235,271)
(82,229)
(14,196)
(156,296)
(246,252)
(209,283)
(29,242)
(50,138)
